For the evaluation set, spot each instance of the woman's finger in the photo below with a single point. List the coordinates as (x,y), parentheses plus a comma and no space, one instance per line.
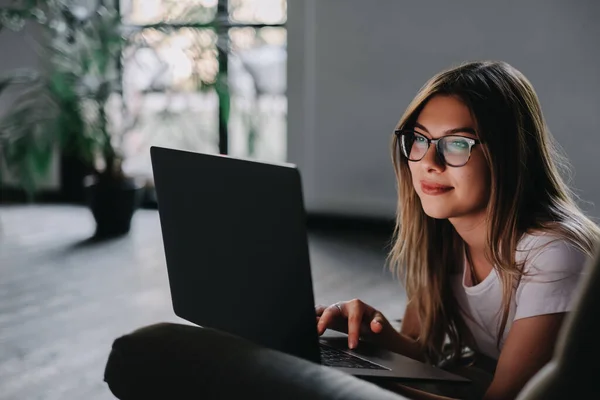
(319,309)
(328,317)
(354,313)
(377,322)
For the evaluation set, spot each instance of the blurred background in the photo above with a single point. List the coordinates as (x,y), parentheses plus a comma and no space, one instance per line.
(87,86)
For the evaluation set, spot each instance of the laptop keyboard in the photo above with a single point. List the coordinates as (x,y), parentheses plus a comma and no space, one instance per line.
(333,357)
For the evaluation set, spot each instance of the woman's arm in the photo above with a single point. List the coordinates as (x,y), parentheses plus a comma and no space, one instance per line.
(528,347)
(406,341)
(411,326)
(544,296)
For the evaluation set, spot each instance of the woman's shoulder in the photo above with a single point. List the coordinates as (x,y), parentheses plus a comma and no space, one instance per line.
(552,270)
(550,252)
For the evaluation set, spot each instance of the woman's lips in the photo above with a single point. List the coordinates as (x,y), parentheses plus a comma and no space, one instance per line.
(432,188)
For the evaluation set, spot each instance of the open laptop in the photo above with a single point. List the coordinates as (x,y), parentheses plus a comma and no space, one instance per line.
(237,258)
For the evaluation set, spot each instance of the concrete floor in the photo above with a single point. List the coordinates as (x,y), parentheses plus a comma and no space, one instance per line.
(63,302)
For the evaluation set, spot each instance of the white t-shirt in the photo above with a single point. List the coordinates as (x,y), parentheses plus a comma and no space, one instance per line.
(555,267)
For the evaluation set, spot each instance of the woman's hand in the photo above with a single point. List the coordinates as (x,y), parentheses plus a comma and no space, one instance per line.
(357,319)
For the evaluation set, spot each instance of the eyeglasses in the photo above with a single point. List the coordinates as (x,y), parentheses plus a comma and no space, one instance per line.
(453,150)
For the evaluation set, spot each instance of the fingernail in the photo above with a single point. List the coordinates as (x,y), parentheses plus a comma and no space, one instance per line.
(377,322)
(352,343)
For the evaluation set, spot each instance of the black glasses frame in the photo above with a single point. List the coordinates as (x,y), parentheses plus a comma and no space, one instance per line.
(399,133)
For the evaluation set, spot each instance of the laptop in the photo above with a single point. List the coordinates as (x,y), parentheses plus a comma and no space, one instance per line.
(237,257)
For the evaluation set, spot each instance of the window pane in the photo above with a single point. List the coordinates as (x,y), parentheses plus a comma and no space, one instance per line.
(257,79)
(167,77)
(178,58)
(143,12)
(258,11)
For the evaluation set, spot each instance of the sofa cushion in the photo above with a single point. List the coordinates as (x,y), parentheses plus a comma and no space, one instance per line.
(169,361)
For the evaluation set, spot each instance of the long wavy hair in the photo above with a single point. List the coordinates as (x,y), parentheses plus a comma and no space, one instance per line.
(527,194)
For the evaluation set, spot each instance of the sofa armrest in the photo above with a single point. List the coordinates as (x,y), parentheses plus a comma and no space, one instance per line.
(170,361)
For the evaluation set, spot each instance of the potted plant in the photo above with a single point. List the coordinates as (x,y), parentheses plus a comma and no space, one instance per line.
(75,104)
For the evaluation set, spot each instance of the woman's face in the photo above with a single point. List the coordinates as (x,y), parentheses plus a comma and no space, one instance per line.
(450,192)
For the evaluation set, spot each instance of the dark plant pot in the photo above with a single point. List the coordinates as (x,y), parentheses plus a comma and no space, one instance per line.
(73,171)
(113,203)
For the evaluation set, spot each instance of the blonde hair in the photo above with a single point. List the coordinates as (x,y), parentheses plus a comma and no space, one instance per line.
(527,194)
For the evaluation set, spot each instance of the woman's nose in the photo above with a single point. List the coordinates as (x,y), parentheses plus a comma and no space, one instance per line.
(432,160)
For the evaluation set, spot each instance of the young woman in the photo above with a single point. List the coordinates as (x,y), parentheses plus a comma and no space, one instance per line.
(489,241)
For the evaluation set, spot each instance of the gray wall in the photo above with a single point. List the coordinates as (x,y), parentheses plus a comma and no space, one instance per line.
(354,65)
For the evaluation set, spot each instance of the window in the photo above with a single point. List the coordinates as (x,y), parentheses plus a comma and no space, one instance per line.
(176,52)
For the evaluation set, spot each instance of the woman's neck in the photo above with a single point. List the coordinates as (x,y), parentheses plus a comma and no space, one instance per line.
(473,232)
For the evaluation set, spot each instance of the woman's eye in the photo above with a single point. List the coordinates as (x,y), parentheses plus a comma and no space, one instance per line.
(459,144)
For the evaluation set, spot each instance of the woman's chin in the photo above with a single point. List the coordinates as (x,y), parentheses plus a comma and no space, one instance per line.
(438,212)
